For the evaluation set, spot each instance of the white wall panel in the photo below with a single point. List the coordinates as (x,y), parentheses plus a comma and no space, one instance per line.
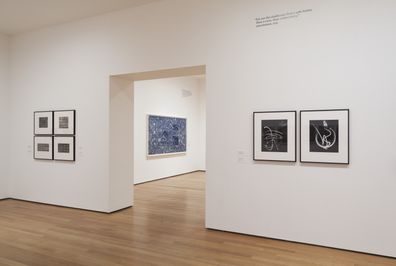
(4,115)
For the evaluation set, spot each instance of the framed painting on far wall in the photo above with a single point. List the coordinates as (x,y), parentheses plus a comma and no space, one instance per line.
(166,135)
(274,136)
(324,136)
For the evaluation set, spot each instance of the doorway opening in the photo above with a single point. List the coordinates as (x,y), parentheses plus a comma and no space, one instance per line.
(134,98)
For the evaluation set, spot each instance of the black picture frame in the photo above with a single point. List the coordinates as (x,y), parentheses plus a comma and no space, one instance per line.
(52,147)
(73,115)
(51,131)
(73,154)
(343,151)
(290,155)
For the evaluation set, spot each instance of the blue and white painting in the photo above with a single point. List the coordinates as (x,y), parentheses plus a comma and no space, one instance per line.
(166,135)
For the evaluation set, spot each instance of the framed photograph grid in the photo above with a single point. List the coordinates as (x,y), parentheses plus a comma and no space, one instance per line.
(54,135)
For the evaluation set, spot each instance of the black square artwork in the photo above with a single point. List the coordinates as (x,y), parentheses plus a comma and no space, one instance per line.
(43,122)
(64,122)
(323,136)
(63,148)
(274,135)
(43,147)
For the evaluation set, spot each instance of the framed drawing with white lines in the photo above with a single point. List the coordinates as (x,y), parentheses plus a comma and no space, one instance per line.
(324,136)
(274,136)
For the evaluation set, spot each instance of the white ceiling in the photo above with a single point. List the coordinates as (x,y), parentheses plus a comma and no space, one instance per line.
(17,16)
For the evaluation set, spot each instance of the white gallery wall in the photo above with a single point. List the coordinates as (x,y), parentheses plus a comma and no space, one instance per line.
(4,113)
(339,55)
(178,97)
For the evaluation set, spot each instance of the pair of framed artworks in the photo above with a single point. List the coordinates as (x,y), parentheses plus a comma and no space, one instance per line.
(324,136)
(54,135)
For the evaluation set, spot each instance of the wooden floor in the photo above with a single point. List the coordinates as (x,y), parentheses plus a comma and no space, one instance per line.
(165,227)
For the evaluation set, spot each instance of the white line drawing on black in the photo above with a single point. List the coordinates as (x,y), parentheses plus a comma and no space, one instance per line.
(323,140)
(271,137)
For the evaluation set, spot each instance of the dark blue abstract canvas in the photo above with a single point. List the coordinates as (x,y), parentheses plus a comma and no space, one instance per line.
(166,135)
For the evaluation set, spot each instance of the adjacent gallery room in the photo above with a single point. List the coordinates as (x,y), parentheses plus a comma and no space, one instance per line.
(169,127)
(200,132)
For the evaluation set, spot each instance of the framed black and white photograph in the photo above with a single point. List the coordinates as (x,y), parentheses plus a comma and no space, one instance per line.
(64,122)
(43,123)
(64,148)
(43,148)
(324,136)
(274,136)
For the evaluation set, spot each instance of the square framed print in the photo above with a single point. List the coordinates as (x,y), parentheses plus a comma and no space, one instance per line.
(274,136)
(43,147)
(64,122)
(43,123)
(166,135)
(64,148)
(324,136)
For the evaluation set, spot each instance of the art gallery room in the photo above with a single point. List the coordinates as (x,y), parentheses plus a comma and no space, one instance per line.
(197,132)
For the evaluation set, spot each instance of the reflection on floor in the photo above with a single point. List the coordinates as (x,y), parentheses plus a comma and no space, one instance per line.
(165,227)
